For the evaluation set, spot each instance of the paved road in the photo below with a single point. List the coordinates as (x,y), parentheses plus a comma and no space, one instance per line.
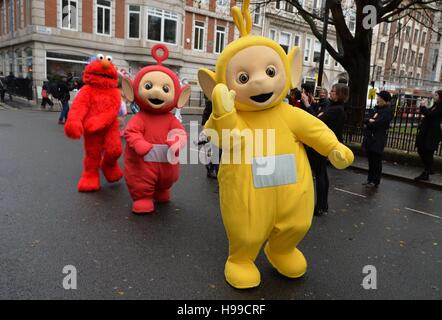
(179,252)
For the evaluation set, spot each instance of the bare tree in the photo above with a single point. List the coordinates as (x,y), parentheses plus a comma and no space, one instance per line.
(354,50)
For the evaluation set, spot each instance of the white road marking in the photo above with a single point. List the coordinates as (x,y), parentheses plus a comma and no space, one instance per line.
(355,194)
(424,213)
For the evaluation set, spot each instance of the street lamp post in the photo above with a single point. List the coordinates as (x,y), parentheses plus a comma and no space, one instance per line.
(323,41)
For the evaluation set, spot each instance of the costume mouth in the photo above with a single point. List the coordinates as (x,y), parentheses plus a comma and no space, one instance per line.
(156,101)
(262,97)
(103,75)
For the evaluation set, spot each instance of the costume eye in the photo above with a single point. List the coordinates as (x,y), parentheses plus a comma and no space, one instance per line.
(166,88)
(148,85)
(100,56)
(271,72)
(109,58)
(243,77)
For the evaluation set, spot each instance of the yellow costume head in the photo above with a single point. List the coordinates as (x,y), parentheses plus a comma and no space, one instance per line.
(255,67)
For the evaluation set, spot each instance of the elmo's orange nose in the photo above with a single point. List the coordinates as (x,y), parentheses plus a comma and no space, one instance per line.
(105,64)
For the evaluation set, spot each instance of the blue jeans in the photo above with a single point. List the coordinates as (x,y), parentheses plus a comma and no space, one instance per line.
(64,112)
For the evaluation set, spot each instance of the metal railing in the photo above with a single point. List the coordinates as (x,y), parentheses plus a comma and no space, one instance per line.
(402,132)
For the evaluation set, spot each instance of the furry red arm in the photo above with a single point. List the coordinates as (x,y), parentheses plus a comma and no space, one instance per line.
(134,134)
(79,108)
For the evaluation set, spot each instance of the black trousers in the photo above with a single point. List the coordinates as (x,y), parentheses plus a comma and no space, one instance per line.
(374,167)
(46,100)
(427,158)
(319,166)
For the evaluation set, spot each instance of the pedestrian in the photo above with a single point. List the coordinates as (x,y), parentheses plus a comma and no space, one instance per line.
(429,134)
(213,154)
(333,115)
(307,99)
(64,97)
(45,95)
(2,87)
(10,84)
(295,98)
(375,137)
(323,100)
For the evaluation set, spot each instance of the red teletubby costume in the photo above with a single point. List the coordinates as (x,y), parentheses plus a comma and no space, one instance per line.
(153,135)
(94,113)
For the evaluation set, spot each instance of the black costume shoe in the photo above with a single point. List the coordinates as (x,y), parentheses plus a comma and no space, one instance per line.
(424,176)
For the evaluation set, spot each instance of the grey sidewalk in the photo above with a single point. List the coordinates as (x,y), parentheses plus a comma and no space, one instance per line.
(402,172)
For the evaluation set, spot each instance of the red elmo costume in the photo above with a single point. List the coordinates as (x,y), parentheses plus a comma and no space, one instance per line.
(94,113)
(153,133)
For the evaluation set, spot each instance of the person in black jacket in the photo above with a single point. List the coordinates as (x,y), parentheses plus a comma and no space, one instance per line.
(429,135)
(64,97)
(333,115)
(375,137)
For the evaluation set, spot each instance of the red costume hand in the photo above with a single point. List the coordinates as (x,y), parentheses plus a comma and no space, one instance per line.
(73,129)
(142,148)
(93,124)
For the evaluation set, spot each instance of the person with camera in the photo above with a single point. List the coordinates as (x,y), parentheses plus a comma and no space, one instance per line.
(375,137)
(429,135)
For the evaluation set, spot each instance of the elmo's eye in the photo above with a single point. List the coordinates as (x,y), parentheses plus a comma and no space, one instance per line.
(243,77)
(271,72)
(148,85)
(100,56)
(166,88)
(109,58)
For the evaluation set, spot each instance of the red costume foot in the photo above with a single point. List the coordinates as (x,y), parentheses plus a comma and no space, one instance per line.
(143,206)
(112,173)
(89,182)
(162,195)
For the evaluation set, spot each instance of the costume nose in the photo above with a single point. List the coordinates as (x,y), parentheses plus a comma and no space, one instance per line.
(105,64)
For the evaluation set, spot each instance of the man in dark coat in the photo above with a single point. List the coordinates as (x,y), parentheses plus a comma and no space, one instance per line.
(429,135)
(375,136)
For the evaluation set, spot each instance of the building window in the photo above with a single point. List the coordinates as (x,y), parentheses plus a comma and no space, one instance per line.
(395,52)
(317,51)
(424,35)
(104,17)
(289,7)
(272,34)
(420,59)
(385,29)
(317,4)
(222,3)
(416,35)
(69,14)
(297,41)
(412,56)
(399,30)
(407,33)
(379,72)
(220,39)
(352,23)
(284,41)
(134,22)
(198,35)
(327,58)
(382,50)
(257,15)
(162,25)
(307,49)
(278,4)
(404,56)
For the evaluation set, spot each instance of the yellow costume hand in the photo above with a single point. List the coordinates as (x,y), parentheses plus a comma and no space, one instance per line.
(341,157)
(223,100)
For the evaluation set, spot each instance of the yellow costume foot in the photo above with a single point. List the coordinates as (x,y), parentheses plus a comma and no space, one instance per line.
(242,275)
(292,265)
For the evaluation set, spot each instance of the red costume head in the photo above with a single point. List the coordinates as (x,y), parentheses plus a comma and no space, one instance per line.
(101,73)
(156,88)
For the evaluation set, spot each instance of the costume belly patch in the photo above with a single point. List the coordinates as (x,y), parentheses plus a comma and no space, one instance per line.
(272,171)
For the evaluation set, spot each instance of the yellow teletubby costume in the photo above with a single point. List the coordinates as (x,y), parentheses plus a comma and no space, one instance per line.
(253,75)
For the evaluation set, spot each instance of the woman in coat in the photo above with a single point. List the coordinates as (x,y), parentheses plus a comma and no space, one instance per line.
(333,115)
(375,137)
(429,135)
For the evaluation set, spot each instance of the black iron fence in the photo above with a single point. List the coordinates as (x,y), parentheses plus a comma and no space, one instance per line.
(402,132)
